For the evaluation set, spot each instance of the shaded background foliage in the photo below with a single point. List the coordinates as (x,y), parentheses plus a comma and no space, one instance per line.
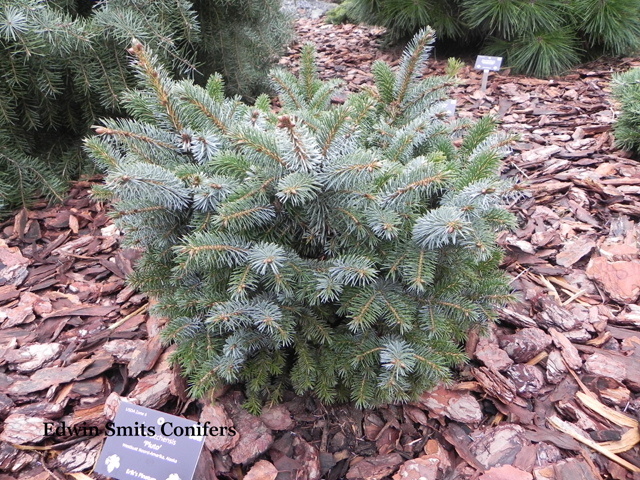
(537,37)
(64,64)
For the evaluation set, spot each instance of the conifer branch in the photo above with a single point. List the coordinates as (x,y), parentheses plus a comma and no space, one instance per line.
(147,67)
(413,58)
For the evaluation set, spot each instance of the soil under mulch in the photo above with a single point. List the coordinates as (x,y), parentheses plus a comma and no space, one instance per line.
(557,379)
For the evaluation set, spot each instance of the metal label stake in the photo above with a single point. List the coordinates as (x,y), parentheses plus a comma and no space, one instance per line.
(487,64)
(485,77)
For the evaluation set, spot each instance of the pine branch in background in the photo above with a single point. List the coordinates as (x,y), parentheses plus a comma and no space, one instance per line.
(510,19)
(66,65)
(241,39)
(541,37)
(613,25)
(539,53)
(342,250)
(626,92)
(403,17)
(441,15)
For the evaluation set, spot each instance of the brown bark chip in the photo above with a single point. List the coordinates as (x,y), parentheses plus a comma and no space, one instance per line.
(552,315)
(573,469)
(375,468)
(434,449)
(492,355)
(262,470)
(33,357)
(556,369)
(277,417)
(145,356)
(307,455)
(288,468)
(254,436)
(123,350)
(205,469)
(621,280)
(459,438)
(528,379)
(415,414)
(610,391)
(497,385)
(14,460)
(421,468)
(499,446)
(567,350)
(505,472)
(13,265)
(525,344)
(605,367)
(81,456)
(458,406)
(573,251)
(6,405)
(217,416)
(153,390)
(21,429)
(47,377)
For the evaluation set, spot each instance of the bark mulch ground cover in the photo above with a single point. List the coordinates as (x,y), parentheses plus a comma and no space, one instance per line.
(552,393)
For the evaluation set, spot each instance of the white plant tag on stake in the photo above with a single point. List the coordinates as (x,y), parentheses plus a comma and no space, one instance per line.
(487,64)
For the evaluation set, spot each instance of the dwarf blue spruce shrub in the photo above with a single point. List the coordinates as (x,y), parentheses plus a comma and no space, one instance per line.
(339,249)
